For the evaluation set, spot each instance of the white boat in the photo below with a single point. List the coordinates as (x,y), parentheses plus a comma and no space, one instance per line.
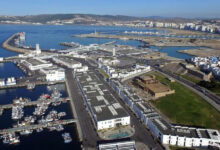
(67,138)
(26,132)
(39,130)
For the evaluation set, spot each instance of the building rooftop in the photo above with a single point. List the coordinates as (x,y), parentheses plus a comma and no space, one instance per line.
(35,62)
(67,59)
(104,105)
(158,87)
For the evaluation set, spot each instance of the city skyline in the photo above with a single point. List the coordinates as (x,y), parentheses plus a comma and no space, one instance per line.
(141,8)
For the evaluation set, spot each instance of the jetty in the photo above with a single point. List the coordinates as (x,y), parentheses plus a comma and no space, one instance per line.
(32,103)
(37,126)
(24,84)
(9,46)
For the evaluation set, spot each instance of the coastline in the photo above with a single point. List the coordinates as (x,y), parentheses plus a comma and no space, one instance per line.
(159,41)
(204,52)
(7,46)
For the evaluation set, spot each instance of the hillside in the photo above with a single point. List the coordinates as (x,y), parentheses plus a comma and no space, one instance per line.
(83,17)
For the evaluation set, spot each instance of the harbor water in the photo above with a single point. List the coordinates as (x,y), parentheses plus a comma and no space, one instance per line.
(49,37)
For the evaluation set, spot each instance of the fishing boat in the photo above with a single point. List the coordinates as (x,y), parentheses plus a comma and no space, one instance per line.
(67,138)
(30,86)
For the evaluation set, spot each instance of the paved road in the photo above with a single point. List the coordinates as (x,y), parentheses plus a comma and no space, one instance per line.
(89,134)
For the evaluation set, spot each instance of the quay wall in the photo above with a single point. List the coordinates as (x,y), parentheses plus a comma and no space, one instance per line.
(79,130)
(25,84)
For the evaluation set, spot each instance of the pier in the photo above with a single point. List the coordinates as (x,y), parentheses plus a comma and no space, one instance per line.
(8,44)
(31,103)
(24,84)
(37,126)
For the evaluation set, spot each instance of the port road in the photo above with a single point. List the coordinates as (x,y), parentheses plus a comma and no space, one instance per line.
(89,135)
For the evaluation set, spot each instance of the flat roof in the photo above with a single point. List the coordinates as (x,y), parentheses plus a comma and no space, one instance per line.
(67,59)
(158,87)
(34,62)
(104,105)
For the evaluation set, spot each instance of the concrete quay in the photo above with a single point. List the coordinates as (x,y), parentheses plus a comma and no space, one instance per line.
(86,130)
(37,126)
(79,130)
(9,44)
(156,41)
(23,84)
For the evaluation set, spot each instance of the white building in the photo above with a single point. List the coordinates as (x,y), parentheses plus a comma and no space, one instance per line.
(67,61)
(54,74)
(184,136)
(38,50)
(11,81)
(1,59)
(81,69)
(126,145)
(125,74)
(36,63)
(167,133)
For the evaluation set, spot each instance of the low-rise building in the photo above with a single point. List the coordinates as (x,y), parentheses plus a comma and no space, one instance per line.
(54,74)
(11,81)
(153,86)
(127,145)
(105,110)
(67,61)
(36,63)
(167,133)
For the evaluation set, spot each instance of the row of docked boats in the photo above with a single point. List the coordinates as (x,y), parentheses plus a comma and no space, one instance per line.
(37,117)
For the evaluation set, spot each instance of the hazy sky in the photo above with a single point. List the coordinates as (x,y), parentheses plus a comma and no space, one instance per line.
(143,8)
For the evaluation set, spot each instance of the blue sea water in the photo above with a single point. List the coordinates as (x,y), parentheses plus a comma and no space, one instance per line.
(49,36)
(173,51)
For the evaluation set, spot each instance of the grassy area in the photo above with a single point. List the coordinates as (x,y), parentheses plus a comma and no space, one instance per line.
(190,78)
(178,148)
(187,108)
(213,86)
(103,73)
(187,77)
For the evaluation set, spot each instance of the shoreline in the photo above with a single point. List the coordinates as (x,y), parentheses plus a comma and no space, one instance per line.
(7,46)
(159,41)
(202,52)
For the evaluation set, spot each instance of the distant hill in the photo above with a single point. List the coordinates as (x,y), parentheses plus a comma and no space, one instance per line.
(51,17)
(87,18)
